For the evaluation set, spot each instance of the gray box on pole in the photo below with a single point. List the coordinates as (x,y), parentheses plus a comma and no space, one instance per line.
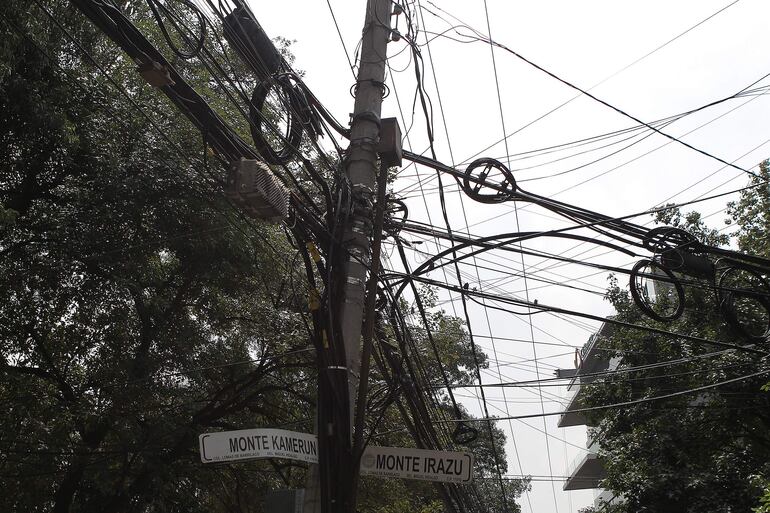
(252,185)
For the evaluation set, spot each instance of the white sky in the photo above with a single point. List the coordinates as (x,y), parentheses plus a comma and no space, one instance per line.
(583,42)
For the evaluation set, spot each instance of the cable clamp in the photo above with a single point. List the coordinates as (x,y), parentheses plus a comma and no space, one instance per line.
(363,195)
(361,226)
(384,89)
(366,143)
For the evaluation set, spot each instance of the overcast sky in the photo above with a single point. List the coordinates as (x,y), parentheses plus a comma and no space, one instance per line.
(584,43)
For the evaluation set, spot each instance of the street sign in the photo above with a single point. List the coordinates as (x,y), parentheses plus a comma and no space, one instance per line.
(249,444)
(444,466)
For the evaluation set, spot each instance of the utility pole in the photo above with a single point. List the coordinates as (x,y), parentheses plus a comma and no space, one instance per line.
(361,170)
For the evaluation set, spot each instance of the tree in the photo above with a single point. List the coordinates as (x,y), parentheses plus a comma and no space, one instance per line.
(138,308)
(135,310)
(695,452)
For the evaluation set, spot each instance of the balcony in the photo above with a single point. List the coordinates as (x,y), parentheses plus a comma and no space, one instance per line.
(570,417)
(585,473)
(592,360)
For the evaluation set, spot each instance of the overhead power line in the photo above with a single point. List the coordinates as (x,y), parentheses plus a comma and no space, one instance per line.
(634,402)
(612,75)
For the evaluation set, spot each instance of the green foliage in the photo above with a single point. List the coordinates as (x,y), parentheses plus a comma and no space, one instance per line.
(764,500)
(751,213)
(695,452)
(764,506)
(126,295)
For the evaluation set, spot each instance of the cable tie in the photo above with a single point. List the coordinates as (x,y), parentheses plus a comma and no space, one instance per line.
(367,115)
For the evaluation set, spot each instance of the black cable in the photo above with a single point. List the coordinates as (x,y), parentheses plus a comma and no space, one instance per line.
(428,115)
(616,109)
(542,308)
(489,243)
(197,43)
(626,404)
(463,24)
(431,341)
(559,232)
(342,41)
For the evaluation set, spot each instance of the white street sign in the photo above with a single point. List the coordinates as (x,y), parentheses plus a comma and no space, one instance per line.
(444,466)
(249,444)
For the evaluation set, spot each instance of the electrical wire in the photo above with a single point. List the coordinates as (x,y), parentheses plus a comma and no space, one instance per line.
(607,78)
(643,400)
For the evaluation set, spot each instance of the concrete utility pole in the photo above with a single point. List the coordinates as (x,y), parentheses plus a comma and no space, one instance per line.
(361,169)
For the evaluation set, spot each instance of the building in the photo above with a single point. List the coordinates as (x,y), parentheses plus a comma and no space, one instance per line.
(587,470)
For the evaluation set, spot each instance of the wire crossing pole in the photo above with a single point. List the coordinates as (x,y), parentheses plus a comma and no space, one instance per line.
(361,171)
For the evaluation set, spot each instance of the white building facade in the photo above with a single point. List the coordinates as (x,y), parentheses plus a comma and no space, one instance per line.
(587,470)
